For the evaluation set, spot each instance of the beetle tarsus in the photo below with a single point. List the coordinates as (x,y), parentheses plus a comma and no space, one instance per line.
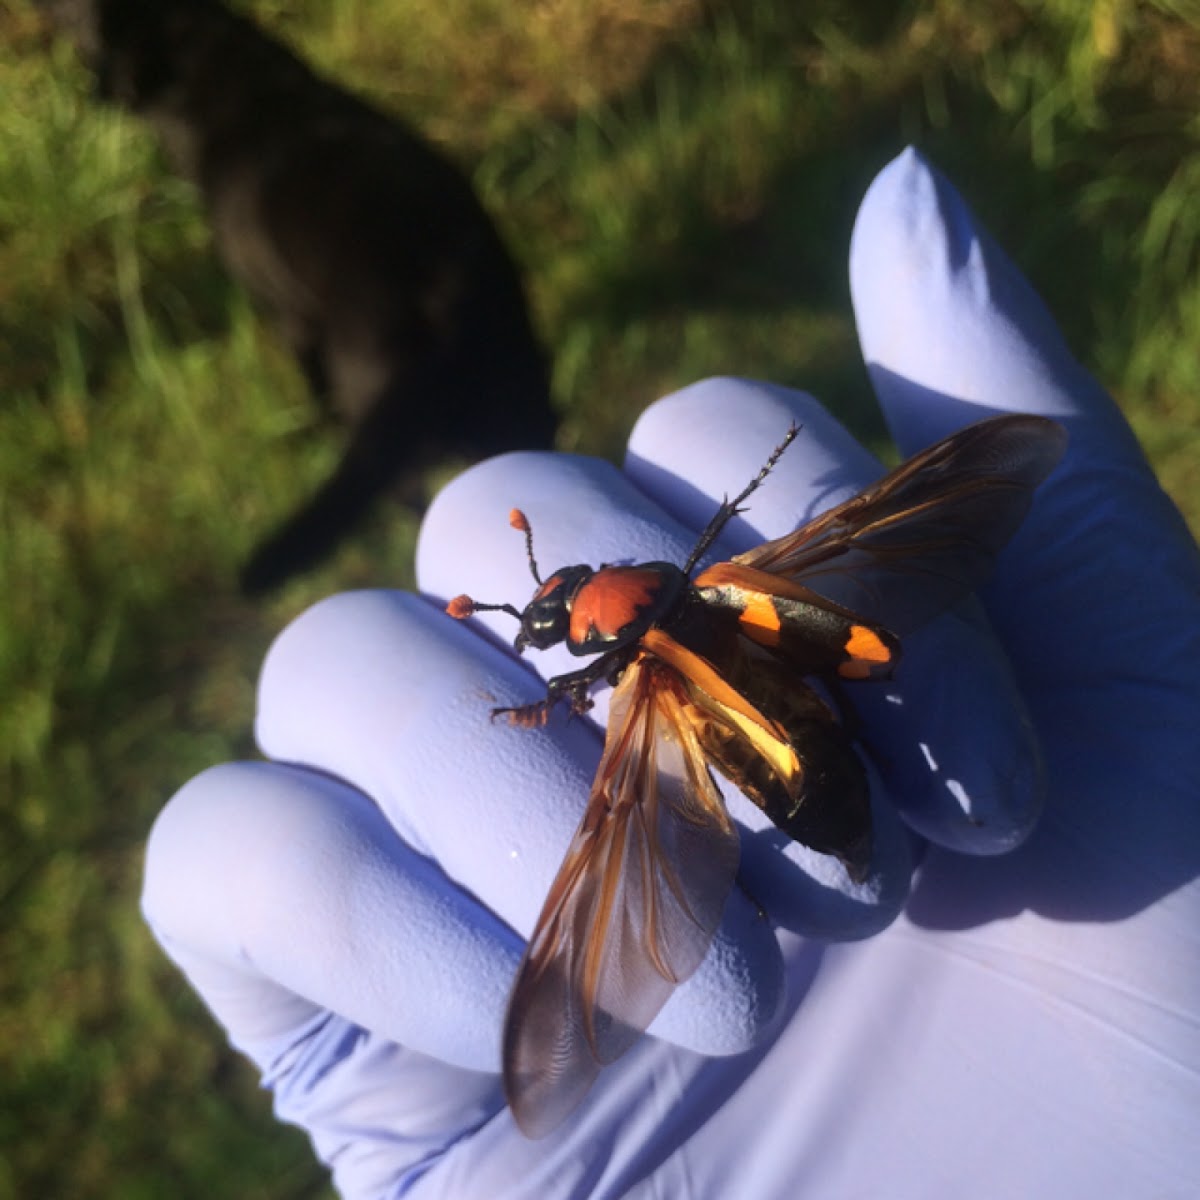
(527,716)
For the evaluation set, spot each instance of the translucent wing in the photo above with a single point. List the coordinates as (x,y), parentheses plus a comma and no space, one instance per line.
(633,908)
(927,533)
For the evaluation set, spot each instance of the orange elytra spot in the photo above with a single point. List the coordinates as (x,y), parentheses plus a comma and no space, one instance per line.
(761,619)
(866,650)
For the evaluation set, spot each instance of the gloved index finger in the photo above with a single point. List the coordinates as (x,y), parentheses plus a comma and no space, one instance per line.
(1097,599)
(952,332)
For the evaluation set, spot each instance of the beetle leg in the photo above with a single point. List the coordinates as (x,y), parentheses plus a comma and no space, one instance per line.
(530,716)
(571,687)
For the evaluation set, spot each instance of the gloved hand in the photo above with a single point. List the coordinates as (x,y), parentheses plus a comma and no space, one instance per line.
(1026,1026)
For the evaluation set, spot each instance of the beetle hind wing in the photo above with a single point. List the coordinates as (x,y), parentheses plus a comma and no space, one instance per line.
(634,906)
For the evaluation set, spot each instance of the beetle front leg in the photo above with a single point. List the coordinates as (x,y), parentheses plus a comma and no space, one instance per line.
(561,687)
(572,687)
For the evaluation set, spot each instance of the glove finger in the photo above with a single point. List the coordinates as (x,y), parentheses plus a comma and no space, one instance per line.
(950,734)
(299,882)
(279,894)
(387,692)
(951,332)
(1097,599)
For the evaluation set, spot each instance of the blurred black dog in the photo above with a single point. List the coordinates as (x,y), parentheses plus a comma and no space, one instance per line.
(385,273)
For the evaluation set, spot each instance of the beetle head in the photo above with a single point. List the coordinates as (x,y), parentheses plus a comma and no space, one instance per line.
(547,617)
(546,620)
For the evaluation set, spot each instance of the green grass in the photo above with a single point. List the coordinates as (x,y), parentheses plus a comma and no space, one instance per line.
(680,178)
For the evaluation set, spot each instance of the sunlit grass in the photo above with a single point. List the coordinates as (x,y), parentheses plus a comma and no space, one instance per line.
(680,178)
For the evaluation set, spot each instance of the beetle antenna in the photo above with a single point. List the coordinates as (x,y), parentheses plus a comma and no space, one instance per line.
(462,607)
(519,521)
(730,508)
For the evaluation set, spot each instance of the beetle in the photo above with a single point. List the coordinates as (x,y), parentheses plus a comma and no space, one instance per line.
(714,668)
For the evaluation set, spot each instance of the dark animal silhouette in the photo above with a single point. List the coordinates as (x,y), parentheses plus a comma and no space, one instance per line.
(385,273)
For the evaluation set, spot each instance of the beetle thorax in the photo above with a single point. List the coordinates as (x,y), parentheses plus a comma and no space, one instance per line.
(614,606)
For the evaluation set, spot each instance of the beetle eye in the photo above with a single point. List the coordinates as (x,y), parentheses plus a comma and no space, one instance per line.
(545,624)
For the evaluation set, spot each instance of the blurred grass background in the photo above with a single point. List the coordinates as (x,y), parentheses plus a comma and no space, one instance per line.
(680,178)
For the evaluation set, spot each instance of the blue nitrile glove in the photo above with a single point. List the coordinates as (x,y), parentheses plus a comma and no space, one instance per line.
(1026,1027)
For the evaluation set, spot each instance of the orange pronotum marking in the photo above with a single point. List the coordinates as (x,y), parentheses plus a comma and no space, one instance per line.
(612,599)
